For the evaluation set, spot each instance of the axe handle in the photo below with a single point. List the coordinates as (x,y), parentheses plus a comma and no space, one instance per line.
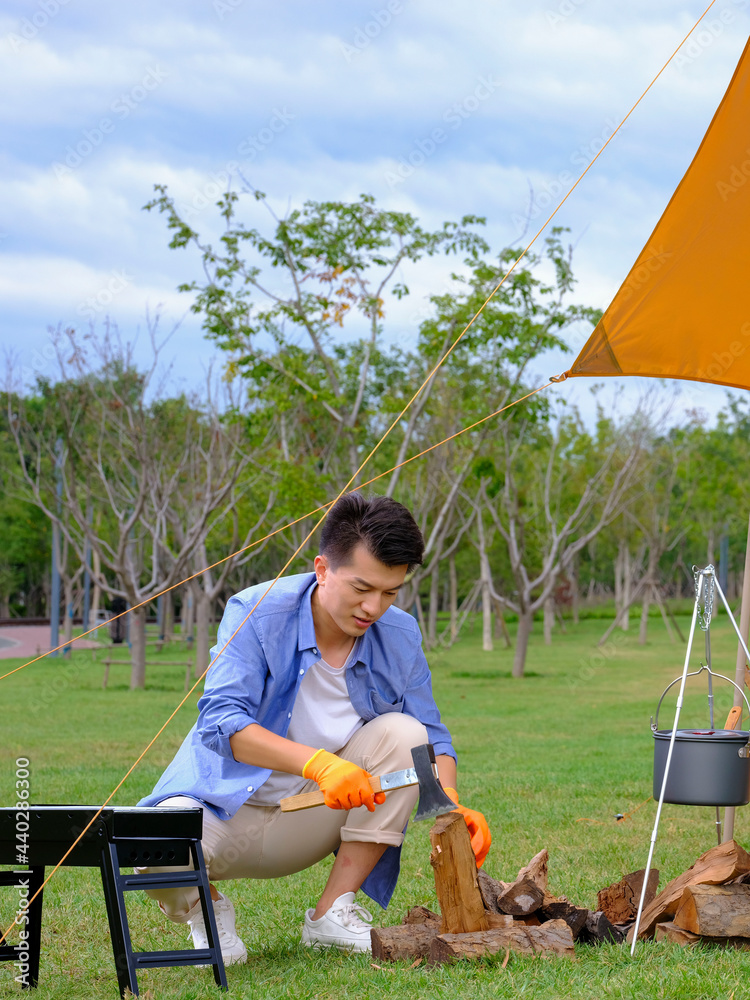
(306,800)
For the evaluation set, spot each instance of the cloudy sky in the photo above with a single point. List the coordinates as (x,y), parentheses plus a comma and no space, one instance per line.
(103,100)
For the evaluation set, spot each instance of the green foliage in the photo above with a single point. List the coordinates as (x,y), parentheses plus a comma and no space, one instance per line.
(25,551)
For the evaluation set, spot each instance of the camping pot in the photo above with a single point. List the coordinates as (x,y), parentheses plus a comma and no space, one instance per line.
(709,767)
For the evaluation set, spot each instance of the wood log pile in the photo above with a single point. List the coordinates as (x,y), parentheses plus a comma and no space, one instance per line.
(709,902)
(483,916)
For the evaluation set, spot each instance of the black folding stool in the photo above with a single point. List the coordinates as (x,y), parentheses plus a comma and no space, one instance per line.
(118,838)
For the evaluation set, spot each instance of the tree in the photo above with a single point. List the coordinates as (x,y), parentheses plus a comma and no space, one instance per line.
(324,266)
(549,495)
(160,472)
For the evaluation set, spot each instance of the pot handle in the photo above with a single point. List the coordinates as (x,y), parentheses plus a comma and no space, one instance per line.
(743,751)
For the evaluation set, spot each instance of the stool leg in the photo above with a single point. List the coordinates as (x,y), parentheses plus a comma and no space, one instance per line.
(118,921)
(207,907)
(35,923)
(30,880)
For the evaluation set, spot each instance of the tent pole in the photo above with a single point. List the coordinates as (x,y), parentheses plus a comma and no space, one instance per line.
(742,659)
(709,571)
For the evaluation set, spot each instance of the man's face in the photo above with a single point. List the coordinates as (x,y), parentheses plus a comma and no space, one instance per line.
(356,594)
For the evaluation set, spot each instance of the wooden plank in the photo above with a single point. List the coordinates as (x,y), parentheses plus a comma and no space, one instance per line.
(717,911)
(720,864)
(552,938)
(455,869)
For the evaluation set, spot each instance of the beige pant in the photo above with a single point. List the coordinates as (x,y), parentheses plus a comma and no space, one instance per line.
(262,842)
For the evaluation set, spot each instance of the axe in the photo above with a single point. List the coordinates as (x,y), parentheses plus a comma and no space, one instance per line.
(433,801)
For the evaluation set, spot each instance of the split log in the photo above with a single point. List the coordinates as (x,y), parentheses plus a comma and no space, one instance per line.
(599,930)
(407,941)
(560,909)
(668,931)
(716,911)
(521,899)
(536,870)
(421,915)
(553,938)
(497,920)
(490,889)
(721,864)
(619,902)
(455,870)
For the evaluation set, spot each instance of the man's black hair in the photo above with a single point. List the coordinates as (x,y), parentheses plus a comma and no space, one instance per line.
(384,526)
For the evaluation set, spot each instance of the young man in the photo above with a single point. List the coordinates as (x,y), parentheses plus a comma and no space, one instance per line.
(322,685)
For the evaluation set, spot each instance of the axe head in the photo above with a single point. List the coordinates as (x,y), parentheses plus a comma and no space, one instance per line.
(433,801)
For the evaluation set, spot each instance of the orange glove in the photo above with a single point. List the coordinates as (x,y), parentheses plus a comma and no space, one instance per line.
(481,838)
(343,784)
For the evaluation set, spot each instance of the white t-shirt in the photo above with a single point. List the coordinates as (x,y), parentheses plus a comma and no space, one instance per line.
(323,716)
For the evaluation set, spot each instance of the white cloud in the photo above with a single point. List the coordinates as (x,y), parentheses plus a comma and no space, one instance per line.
(350,117)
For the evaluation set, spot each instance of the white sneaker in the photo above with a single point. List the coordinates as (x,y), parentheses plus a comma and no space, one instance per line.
(233,949)
(345,925)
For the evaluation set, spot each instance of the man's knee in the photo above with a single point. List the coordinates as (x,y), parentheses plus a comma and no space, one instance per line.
(390,737)
(404,729)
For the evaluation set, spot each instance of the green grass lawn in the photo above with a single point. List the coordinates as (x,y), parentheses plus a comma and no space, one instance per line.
(550,759)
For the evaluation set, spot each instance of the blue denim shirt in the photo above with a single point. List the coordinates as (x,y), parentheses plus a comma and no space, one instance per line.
(256,679)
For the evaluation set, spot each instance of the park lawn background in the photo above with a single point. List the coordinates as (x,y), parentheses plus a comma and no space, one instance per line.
(551,759)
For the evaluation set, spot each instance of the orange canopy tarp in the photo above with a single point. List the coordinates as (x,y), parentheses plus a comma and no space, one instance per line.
(684,309)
